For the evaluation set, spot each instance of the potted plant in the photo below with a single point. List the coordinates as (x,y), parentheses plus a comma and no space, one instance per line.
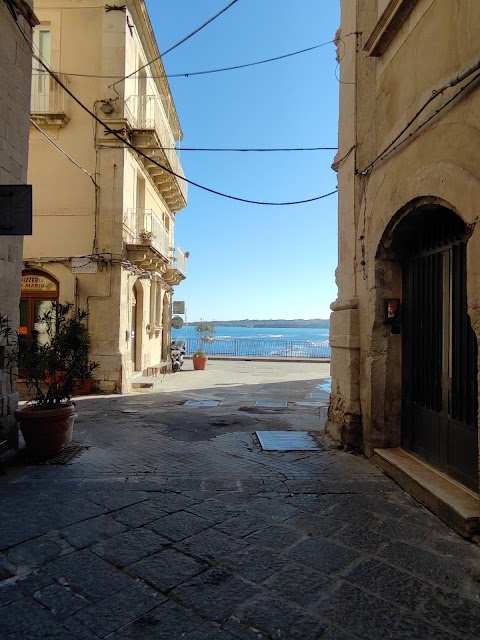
(145,236)
(205,333)
(55,362)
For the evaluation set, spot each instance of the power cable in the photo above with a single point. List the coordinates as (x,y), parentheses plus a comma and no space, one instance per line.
(245,150)
(143,155)
(187,37)
(390,148)
(195,73)
(250,64)
(64,153)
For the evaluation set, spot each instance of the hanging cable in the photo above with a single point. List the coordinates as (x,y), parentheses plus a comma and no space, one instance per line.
(143,155)
(250,64)
(194,73)
(64,153)
(53,75)
(202,26)
(390,148)
(245,150)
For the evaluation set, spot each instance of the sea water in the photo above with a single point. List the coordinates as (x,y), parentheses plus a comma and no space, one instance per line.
(304,342)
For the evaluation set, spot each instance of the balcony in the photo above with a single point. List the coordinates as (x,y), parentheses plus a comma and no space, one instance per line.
(176,269)
(150,132)
(48,100)
(147,240)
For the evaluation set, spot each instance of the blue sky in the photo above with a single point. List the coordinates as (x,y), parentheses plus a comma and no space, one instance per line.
(251,261)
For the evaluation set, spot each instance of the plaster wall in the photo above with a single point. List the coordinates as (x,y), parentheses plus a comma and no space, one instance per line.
(86,212)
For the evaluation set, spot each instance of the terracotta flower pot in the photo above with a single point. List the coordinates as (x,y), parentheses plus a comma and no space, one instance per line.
(83,387)
(44,430)
(199,363)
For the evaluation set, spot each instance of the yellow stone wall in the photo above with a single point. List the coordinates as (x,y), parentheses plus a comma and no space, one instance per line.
(75,217)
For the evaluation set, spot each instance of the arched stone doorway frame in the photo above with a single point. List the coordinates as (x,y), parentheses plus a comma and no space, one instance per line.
(138,301)
(445,184)
(166,326)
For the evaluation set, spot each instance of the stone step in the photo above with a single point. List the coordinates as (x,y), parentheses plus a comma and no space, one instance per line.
(450,501)
(145,382)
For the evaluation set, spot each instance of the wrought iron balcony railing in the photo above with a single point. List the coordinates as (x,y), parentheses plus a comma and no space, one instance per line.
(48,97)
(180,261)
(144,226)
(146,113)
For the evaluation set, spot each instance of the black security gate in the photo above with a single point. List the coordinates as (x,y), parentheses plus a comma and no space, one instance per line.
(440,349)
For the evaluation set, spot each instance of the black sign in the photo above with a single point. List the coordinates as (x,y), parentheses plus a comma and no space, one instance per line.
(15,210)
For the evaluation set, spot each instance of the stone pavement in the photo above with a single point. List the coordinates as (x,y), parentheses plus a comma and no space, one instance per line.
(174,524)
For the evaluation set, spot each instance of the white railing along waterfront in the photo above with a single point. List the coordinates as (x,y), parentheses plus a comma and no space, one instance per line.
(145,222)
(146,112)
(261,348)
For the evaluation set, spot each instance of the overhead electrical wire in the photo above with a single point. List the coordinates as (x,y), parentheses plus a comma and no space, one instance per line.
(250,64)
(196,73)
(139,152)
(64,153)
(391,147)
(245,150)
(144,155)
(177,44)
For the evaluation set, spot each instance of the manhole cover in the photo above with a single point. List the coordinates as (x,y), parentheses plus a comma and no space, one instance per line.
(268,404)
(287,441)
(201,403)
(310,404)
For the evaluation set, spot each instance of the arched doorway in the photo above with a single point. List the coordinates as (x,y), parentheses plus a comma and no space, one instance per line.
(439,353)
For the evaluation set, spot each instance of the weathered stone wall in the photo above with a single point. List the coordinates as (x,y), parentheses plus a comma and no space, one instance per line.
(429,46)
(15,78)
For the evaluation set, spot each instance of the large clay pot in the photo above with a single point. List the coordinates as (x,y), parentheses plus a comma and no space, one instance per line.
(44,430)
(83,387)
(199,363)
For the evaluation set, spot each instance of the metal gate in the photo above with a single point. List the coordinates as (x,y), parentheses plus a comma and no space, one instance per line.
(440,351)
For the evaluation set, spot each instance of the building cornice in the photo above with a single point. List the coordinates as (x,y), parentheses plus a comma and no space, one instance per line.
(387,26)
(24,8)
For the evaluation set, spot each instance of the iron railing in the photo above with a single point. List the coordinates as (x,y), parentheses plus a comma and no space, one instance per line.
(147,112)
(145,225)
(47,95)
(261,348)
(180,261)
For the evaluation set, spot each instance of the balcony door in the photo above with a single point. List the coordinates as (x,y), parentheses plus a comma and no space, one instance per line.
(41,80)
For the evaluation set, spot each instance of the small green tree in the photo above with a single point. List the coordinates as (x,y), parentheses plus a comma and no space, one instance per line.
(205,333)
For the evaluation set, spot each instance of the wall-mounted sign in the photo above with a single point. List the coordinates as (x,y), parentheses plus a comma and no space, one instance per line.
(33,283)
(177,322)
(84,265)
(392,310)
(179,306)
(16,210)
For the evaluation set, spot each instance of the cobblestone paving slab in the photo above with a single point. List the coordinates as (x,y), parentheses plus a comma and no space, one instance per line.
(173,524)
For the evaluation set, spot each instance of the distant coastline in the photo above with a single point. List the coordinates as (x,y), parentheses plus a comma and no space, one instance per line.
(316,323)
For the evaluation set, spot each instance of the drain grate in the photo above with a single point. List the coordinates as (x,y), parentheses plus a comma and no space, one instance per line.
(69,451)
(287,441)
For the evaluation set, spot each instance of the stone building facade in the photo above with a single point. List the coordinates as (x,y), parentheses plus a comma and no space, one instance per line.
(16,21)
(405,326)
(104,210)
